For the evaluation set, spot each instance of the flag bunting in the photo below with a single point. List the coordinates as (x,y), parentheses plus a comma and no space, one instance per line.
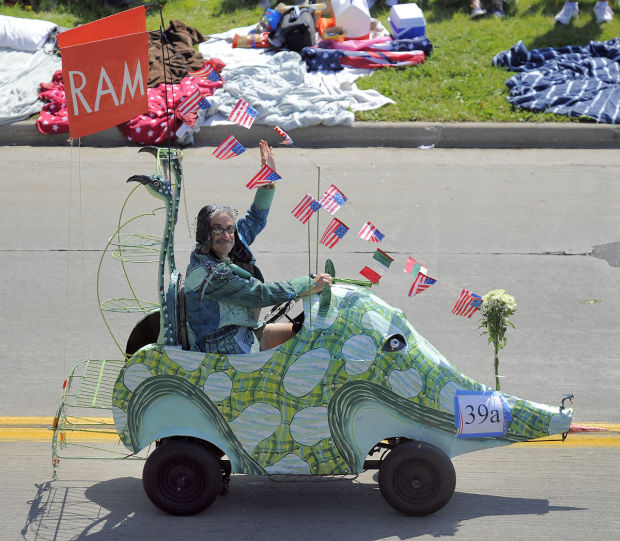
(206,72)
(306,208)
(266,175)
(380,263)
(229,148)
(421,283)
(332,199)
(333,233)
(194,102)
(243,114)
(467,304)
(371,233)
(284,135)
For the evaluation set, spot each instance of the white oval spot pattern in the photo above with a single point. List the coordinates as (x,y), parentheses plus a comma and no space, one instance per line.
(255,423)
(374,321)
(310,425)
(218,386)
(447,394)
(559,423)
(134,375)
(120,418)
(406,383)
(306,372)
(187,360)
(289,464)
(359,352)
(250,362)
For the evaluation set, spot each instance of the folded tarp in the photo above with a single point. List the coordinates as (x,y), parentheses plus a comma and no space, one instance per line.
(571,80)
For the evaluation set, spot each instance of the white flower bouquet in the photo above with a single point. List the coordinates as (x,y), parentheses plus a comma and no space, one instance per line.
(497,307)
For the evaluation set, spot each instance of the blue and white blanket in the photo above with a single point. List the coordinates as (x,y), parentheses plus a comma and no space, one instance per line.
(572,80)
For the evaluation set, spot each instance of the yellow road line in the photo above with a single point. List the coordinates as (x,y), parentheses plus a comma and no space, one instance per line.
(38,429)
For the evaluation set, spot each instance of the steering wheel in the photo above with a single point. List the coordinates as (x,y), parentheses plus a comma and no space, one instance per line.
(279,311)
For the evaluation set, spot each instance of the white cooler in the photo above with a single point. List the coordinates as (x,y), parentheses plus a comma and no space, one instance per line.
(353,16)
(407,21)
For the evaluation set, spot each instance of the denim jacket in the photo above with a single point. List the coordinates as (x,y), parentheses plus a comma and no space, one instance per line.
(223,300)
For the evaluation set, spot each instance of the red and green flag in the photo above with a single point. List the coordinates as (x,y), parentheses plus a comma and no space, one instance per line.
(380,263)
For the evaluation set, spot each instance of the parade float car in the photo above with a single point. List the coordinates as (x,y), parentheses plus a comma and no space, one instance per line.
(356,388)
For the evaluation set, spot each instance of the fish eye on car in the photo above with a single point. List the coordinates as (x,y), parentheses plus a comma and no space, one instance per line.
(396,342)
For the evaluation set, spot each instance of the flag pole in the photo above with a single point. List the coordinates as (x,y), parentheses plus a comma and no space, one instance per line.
(318,214)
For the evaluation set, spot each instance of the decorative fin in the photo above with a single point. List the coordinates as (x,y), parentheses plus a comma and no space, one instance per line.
(326,299)
(329,268)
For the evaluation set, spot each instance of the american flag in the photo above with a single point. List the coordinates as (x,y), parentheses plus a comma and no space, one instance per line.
(243,114)
(206,72)
(194,102)
(421,283)
(371,233)
(284,135)
(229,148)
(266,175)
(334,232)
(306,208)
(380,263)
(467,304)
(332,199)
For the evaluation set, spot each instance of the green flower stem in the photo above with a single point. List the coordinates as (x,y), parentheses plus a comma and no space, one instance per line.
(496,363)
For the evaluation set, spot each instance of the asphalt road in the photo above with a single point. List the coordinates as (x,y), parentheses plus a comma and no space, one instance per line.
(543,224)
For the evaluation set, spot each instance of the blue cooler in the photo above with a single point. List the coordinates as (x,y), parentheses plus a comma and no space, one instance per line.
(407,21)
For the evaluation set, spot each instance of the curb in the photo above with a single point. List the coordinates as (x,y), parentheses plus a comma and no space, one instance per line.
(366,134)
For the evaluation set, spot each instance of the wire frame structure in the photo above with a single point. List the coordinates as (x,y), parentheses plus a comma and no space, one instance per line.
(83,427)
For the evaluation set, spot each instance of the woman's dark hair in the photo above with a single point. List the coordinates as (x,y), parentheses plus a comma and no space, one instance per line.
(240,252)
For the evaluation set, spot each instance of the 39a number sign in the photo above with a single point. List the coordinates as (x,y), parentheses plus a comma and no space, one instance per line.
(479,414)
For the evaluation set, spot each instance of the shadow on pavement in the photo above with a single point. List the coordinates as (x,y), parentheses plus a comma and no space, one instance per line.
(255,508)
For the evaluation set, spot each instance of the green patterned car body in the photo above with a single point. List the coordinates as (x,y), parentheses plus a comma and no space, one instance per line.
(318,403)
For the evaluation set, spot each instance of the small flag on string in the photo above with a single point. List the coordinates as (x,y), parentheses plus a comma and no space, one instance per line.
(421,282)
(194,102)
(284,135)
(228,148)
(374,271)
(413,267)
(371,233)
(332,199)
(306,208)
(206,72)
(333,233)
(266,175)
(467,304)
(243,114)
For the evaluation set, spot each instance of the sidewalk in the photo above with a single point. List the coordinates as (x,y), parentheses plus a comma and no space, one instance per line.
(367,134)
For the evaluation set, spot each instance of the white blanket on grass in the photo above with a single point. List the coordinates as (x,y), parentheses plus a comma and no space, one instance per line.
(21,73)
(279,87)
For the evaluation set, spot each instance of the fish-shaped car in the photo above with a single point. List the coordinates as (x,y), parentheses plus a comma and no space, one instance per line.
(357,381)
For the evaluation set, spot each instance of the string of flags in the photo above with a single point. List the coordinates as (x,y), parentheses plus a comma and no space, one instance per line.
(306,208)
(243,114)
(371,233)
(266,175)
(334,232)
(206,72)
(331,202)
(379,264)
(229,148)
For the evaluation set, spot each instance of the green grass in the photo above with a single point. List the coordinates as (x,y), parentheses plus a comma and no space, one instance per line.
(456,84)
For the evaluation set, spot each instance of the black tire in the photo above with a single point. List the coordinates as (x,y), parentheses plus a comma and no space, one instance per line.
(417,478)
(182,477)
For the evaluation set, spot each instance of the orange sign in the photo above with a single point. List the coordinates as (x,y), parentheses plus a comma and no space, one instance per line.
(105,68)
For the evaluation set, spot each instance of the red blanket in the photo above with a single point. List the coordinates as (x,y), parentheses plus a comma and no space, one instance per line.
(150,128)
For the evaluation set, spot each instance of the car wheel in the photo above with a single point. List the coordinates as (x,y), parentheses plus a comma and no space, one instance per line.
(182,477)
(417,478)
